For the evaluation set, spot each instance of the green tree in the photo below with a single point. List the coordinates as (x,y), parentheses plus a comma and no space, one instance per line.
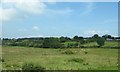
(76,38)
(62,39)
(107,36)
(100,41)
(51,43)
(46,43)
(95,36)
(55,43)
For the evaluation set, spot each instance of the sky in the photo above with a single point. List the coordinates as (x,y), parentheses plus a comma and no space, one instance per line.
(22,18)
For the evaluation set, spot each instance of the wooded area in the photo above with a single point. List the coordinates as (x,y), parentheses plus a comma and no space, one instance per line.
(60,42)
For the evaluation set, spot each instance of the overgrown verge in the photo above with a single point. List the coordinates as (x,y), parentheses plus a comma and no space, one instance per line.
(30,67)
(68,52)
(78,60)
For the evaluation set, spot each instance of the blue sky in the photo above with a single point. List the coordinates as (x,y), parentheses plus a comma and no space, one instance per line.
(43,19)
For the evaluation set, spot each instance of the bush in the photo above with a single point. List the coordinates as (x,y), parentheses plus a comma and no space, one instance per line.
(30,67)
(86,52)
(2,60)
(85,64)
(78,60)
(68,52)
(100,41)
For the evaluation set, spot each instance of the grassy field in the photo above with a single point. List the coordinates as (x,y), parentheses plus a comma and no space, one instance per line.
(61,59)
(93,44)
(107,44)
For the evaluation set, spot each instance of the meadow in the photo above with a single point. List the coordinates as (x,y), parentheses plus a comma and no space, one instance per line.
(60,59)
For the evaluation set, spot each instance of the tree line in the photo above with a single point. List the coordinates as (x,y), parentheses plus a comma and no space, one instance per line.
(58,42)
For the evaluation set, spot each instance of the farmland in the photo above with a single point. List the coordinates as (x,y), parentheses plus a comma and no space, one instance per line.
(61,58)
(61,53)
(59,35)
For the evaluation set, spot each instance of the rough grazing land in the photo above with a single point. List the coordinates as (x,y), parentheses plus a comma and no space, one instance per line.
(61,59)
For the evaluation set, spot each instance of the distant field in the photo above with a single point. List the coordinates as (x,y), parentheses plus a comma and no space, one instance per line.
(60,59)
(92,44)
(107,44)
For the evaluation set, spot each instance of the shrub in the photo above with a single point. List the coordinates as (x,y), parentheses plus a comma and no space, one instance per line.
(30,67)
(78,60)
(68,52)
(2,60)
(100,41)
(7,65)
(86,52)
(16,65)
(85,64)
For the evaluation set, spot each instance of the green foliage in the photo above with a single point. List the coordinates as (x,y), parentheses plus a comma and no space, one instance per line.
(78,60)
(71,44)
(95,36)
(30,67)
(55,60)
(85,52)
(79,39)
(76,38)
(55,42)
(2,60)
(68,52)
(64,39)
(107,36)
(51,43)
(100,41)
(85,63)
(46,43)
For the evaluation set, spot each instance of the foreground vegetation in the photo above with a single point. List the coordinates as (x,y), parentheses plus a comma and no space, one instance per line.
(63,53)
(16,57)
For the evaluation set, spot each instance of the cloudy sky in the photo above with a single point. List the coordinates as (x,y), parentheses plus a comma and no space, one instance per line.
(28,18)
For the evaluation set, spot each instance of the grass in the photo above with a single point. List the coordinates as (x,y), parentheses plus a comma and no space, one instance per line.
(107,44)
(112,44)
(54,59)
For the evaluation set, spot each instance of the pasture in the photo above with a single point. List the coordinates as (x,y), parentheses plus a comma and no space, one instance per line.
(60,59)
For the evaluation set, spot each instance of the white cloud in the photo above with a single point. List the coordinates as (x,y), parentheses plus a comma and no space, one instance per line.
(12,6)
(35,7)
(35,27)
(60,11)
(50,1)
(7,14)
(89,7)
